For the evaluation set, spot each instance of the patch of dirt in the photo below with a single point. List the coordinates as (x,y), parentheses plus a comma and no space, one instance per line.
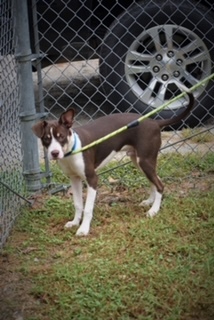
(15,298)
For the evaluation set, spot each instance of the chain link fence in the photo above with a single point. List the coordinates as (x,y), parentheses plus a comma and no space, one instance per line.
(101,57)
(98,57)
(11,178)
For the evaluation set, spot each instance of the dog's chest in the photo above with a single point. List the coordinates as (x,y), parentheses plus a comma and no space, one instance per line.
(73,165)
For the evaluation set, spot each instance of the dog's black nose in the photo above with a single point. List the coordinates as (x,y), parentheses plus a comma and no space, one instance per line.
(55,153)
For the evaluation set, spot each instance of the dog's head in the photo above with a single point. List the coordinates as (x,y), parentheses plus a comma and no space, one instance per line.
(56,136)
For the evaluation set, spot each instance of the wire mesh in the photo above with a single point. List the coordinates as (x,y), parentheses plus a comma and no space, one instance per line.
(10,133)
(102,57)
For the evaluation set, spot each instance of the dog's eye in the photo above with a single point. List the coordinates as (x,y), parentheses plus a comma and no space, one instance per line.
(60,137)
(46,140)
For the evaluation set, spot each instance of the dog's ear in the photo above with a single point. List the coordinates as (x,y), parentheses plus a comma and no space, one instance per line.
(39,128)
(67,118)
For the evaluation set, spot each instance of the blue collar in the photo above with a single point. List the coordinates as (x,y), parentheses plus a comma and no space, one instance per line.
(76,139)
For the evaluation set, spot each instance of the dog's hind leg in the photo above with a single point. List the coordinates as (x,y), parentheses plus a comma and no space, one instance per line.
(149,168)
(135,160)
(76,186)
(156,204)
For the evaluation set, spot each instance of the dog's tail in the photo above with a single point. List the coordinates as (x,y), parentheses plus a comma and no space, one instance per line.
(183,115)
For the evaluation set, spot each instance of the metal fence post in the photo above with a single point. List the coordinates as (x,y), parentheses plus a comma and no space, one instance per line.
(31,168)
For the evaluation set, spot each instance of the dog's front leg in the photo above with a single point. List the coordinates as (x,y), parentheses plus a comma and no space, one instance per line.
(88,212)
(76,186)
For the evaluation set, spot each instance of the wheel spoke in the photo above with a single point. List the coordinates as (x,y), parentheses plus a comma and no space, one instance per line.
(137,56)
(154,33)
(147,93)
(160,97)
(137,69)
(189,78)
(168,35)
(202,56)
(190,47)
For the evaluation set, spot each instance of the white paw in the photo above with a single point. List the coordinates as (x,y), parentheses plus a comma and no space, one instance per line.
(145,203)
(71,224)
(151,213)
(82,231)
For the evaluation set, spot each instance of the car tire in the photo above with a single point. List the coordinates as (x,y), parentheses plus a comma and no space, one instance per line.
(150,49)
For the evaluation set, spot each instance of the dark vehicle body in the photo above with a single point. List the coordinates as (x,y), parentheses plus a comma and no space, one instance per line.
(145,48)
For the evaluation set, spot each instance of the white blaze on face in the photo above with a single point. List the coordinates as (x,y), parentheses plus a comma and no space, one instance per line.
(54,146)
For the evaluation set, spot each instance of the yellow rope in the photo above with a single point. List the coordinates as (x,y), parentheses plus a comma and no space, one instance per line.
(149,114)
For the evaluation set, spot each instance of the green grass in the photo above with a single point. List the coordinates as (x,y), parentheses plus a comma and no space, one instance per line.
(129,267)
(198,135)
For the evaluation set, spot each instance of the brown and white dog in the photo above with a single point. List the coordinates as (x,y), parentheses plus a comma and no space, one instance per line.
(142,143)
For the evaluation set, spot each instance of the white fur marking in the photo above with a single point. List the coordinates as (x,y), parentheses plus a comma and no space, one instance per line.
(151,199)
(88,212)
(156,205)
(54,146)
(78,202)
(73,165)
